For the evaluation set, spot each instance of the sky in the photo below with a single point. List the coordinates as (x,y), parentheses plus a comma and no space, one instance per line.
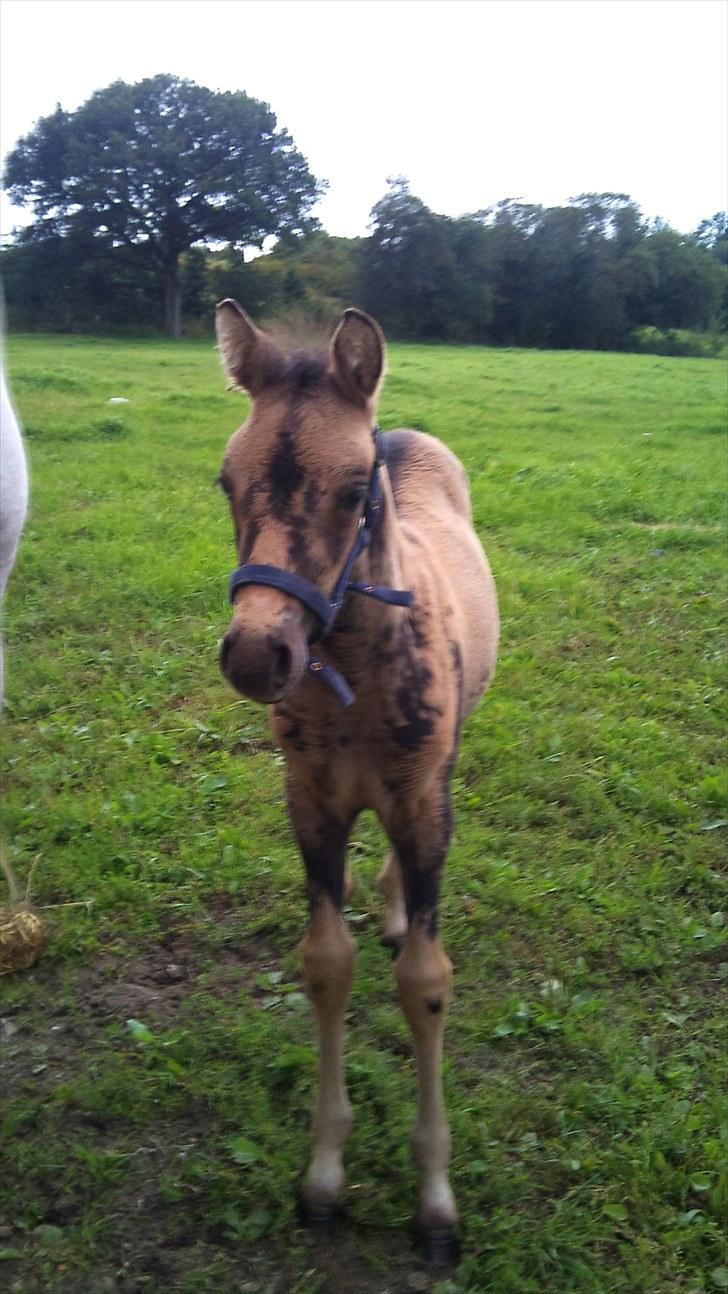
(472,100)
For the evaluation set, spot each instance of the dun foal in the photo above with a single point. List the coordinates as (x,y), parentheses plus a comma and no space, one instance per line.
(365,616)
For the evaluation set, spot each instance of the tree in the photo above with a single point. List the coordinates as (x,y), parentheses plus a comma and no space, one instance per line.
(689,281)
(509,227)
(162,166)
(421,273)
(712,235)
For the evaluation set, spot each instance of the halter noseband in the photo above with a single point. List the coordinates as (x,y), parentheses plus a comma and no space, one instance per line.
(326,609)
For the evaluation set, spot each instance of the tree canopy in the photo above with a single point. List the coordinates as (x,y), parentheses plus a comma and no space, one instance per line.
(585,275)
(206,174)
(162,166)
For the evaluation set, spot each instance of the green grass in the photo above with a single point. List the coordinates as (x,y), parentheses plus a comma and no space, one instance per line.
(584,900)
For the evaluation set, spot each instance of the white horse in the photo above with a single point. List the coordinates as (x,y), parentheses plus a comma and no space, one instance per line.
(13,493)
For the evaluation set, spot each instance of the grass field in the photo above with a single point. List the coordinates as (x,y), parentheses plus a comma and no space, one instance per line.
(159,1059)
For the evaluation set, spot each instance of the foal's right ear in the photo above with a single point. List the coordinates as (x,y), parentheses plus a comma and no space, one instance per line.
(248,356)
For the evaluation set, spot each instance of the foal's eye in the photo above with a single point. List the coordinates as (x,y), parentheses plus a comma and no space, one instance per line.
(351,499)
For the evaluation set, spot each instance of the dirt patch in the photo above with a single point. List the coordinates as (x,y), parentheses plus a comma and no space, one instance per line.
(148,1244)
(42,1047)
(144,1262)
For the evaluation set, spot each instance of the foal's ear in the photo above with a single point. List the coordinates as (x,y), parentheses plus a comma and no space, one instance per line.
(249,358)
(357,357)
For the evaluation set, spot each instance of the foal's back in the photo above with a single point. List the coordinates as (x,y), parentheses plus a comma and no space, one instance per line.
(432,499)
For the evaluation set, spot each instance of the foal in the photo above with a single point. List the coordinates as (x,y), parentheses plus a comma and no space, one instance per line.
(370,719)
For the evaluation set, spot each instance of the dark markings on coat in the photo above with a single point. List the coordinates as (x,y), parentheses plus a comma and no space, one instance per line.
(415,721)
(285,474)
(419,722)
(299,556)
(293,734)
(311,496)
(324,856)
(456,656)
(422,892)
(422,849)
(247,543)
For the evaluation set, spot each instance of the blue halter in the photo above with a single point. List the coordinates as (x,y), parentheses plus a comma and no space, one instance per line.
(326,609)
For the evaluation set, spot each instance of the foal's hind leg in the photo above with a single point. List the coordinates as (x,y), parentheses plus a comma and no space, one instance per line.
(394,927)
(420,833)
(327,953)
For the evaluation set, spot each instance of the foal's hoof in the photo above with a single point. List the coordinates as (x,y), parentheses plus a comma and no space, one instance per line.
(319,1217)
(440,1246)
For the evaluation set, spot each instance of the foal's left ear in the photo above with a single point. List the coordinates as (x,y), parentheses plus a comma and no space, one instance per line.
(357,357)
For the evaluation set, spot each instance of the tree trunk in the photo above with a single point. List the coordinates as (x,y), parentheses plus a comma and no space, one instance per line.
(172,299)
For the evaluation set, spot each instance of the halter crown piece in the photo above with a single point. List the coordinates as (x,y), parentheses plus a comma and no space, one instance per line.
(326,609)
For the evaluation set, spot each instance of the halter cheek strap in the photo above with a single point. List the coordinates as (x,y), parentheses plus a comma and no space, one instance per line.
(326,609)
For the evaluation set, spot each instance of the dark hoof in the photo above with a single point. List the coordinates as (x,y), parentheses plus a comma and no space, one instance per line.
(319,1217)
(440,1247)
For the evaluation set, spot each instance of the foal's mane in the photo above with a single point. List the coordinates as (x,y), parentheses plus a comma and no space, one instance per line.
(304,371)
(303,353)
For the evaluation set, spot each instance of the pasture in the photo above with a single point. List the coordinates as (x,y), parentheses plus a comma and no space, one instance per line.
(159,1059)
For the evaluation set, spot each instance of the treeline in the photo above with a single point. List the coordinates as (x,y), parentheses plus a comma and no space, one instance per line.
(593,274)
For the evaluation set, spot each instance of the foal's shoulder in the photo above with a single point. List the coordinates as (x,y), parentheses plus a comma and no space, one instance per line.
(417,463)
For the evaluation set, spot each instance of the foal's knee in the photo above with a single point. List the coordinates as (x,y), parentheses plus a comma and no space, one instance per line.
(424,980)
(327,954)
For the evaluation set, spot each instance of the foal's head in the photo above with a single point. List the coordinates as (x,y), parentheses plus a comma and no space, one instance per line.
(296,475)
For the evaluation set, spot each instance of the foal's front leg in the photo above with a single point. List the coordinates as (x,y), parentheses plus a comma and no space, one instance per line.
(327,952)
(420,834)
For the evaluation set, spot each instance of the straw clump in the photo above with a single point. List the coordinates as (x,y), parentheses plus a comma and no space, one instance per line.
(22,930)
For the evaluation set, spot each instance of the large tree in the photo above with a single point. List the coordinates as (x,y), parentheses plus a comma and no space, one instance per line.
(162,166)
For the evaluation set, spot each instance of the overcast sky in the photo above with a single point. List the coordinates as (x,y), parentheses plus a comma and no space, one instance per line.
(472,100)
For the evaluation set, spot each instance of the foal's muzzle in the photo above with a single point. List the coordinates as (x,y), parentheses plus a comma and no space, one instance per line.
(264,666)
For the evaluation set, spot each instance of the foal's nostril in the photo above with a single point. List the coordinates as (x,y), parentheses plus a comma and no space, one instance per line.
(258,666)
(225,646)
(281,665)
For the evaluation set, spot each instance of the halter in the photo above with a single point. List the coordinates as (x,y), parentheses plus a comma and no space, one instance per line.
(326,609)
